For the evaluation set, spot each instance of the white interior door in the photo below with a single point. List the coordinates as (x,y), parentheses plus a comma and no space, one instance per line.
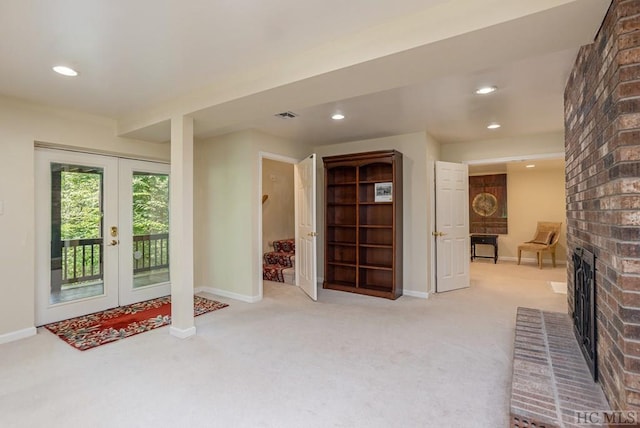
(144,231)
(305,217)
(76,261)
(102,228)
(452,226)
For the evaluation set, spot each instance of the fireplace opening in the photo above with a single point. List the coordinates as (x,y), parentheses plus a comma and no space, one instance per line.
(584,306)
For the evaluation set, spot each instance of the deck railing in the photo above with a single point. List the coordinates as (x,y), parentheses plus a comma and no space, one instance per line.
(82,258)
(150,252)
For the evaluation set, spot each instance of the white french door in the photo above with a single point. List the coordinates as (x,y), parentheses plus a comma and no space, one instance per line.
(101,233)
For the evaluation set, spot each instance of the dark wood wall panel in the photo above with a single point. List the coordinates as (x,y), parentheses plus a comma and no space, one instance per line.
(488,204)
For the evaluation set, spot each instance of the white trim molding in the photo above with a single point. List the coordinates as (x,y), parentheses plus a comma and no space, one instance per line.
(228,294)
(182,333)
(418,294)
(17,335)
(531,260)
(277,157)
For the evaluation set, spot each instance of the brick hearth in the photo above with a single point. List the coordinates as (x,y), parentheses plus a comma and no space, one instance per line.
(551,381)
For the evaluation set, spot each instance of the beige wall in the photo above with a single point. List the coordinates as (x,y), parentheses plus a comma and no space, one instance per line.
(418,150)
(278,210)
(534,195)
(228,255)
(22,124)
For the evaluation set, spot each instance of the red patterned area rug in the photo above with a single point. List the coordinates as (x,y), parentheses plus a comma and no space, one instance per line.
(93,330)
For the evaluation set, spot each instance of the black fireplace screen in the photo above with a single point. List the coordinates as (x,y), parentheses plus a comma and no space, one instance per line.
(584,307)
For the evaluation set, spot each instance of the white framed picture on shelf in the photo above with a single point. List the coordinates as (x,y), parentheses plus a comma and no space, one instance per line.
(383,192)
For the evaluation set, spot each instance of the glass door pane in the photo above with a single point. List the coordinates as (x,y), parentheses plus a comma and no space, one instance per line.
(150,207)
(77,270)
(144,222)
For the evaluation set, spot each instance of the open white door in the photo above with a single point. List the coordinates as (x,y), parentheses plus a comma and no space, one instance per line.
(452,226)
(305,195)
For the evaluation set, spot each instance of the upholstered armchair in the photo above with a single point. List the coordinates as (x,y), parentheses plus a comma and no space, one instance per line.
(545,240)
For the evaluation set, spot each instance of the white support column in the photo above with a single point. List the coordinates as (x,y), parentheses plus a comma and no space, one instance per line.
(181,231)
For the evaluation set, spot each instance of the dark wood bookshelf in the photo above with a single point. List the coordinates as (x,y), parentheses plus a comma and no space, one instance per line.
(363,236)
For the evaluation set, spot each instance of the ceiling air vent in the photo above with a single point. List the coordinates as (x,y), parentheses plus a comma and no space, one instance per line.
(286,115)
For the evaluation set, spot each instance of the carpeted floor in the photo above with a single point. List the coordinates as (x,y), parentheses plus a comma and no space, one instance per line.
(345,361)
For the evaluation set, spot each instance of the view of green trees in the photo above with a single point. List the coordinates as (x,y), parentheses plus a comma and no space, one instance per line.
(81,204)
(150,204)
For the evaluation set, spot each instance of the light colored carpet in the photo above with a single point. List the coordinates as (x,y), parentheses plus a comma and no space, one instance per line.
(345,361)
(558,287)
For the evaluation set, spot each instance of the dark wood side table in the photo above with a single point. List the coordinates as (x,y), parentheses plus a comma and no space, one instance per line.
(478,239)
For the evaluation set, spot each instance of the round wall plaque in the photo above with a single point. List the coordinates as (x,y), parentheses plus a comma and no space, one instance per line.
(484,204)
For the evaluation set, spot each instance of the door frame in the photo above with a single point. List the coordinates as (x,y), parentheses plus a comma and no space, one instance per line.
(279,158)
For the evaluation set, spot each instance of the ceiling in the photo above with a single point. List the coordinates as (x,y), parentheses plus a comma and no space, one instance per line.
(529,101)
(401,66)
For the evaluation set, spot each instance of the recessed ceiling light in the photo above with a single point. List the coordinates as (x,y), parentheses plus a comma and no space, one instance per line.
(530,166)
(65,71)
(493,126)
(486,90)
(337,116)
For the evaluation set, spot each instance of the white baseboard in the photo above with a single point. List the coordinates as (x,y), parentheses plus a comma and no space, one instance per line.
(418,294)
(531,260)
(515,259)
(181,333)
(229,294)
(17,335)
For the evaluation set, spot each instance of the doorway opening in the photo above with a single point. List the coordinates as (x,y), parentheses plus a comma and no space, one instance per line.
(278,220)
(304,202)
(535,188)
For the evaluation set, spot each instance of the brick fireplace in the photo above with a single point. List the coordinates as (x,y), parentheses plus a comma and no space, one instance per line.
(602,143)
